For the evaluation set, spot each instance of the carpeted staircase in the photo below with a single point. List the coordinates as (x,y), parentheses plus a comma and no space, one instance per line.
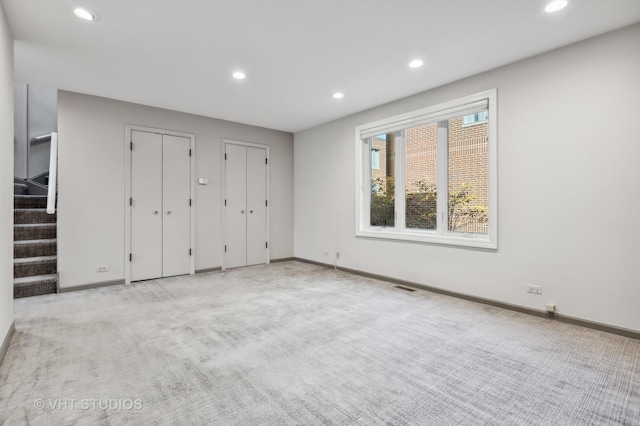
(34,248)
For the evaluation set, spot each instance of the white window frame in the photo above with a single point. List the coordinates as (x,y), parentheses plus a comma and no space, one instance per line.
(441,235)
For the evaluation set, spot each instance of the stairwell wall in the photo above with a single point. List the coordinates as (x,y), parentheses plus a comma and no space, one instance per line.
(6,182)
(91,178)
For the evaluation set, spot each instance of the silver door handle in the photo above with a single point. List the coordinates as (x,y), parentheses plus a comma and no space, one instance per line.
(156,212)
(242,211)
(169,212)
(251,211)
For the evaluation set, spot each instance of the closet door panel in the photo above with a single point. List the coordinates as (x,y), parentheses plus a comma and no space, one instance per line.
(176,214)
(235,210)
(146,206)
(256,206)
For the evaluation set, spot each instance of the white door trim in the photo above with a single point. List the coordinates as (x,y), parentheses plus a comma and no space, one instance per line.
(223,181)
(127,192)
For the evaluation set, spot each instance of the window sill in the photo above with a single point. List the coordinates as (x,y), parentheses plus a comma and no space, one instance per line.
(427,237)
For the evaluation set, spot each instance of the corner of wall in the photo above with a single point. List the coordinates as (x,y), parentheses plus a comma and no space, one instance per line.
(6,178)
(6,341)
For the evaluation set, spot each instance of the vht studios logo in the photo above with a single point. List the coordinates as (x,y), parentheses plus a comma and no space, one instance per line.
(87,404)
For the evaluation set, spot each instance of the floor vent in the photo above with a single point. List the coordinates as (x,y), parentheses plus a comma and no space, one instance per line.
(405,288)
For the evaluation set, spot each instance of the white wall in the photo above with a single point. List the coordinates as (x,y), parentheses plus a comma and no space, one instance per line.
(35,114)
(6,177)
(569,149)
(92,182)
(20,130)
(42,119)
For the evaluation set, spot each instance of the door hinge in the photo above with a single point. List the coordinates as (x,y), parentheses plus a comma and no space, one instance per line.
(266,161)
(189,252)
(189,153)
(225,155)
(131,146)
(266,245)
(225,249)
(130,257)
(225,201)
(130,201)
(266,203)
(189,201)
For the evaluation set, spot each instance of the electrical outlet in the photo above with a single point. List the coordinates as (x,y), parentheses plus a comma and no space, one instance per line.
(337,255)
(535,289)
(102,268)
(326,253)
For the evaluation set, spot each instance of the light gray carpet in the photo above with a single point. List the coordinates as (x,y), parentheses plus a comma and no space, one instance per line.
(297,344)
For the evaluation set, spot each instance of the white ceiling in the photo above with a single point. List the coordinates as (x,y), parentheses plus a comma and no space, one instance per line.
(180,55)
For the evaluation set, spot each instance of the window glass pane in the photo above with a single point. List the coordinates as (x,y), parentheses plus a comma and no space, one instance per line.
(421,180)
(382,181)
(475,118)
(375,159)
(468,176)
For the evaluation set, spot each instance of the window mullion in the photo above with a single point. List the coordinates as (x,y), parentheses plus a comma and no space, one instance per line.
(366,182)
(443,176)
(400,181)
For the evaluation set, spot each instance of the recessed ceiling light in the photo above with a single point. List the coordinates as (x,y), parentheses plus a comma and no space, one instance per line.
(417,63)
(556,5)
(239,75)
(338,95)
(85,14)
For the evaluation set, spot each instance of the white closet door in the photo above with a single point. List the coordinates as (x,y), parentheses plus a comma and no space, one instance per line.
(176,215)
(146,209)
(256,206)
(235,210)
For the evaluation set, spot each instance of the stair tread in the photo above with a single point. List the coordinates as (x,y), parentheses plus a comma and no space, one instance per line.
(29,201)
(35,209)
(34,279)
(33,225)
(35,259)
(27,242)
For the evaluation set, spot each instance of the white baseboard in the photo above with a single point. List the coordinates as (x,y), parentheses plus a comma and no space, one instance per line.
(6,341)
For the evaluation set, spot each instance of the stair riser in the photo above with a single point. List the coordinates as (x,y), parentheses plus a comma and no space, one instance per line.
(34,233)
(35,289)
(19,189)
(21,217)
(34,250)
(29,202)
(34,268)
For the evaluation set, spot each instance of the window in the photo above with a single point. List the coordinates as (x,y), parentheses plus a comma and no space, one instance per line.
(477,118)
(375,158)
(429,176)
